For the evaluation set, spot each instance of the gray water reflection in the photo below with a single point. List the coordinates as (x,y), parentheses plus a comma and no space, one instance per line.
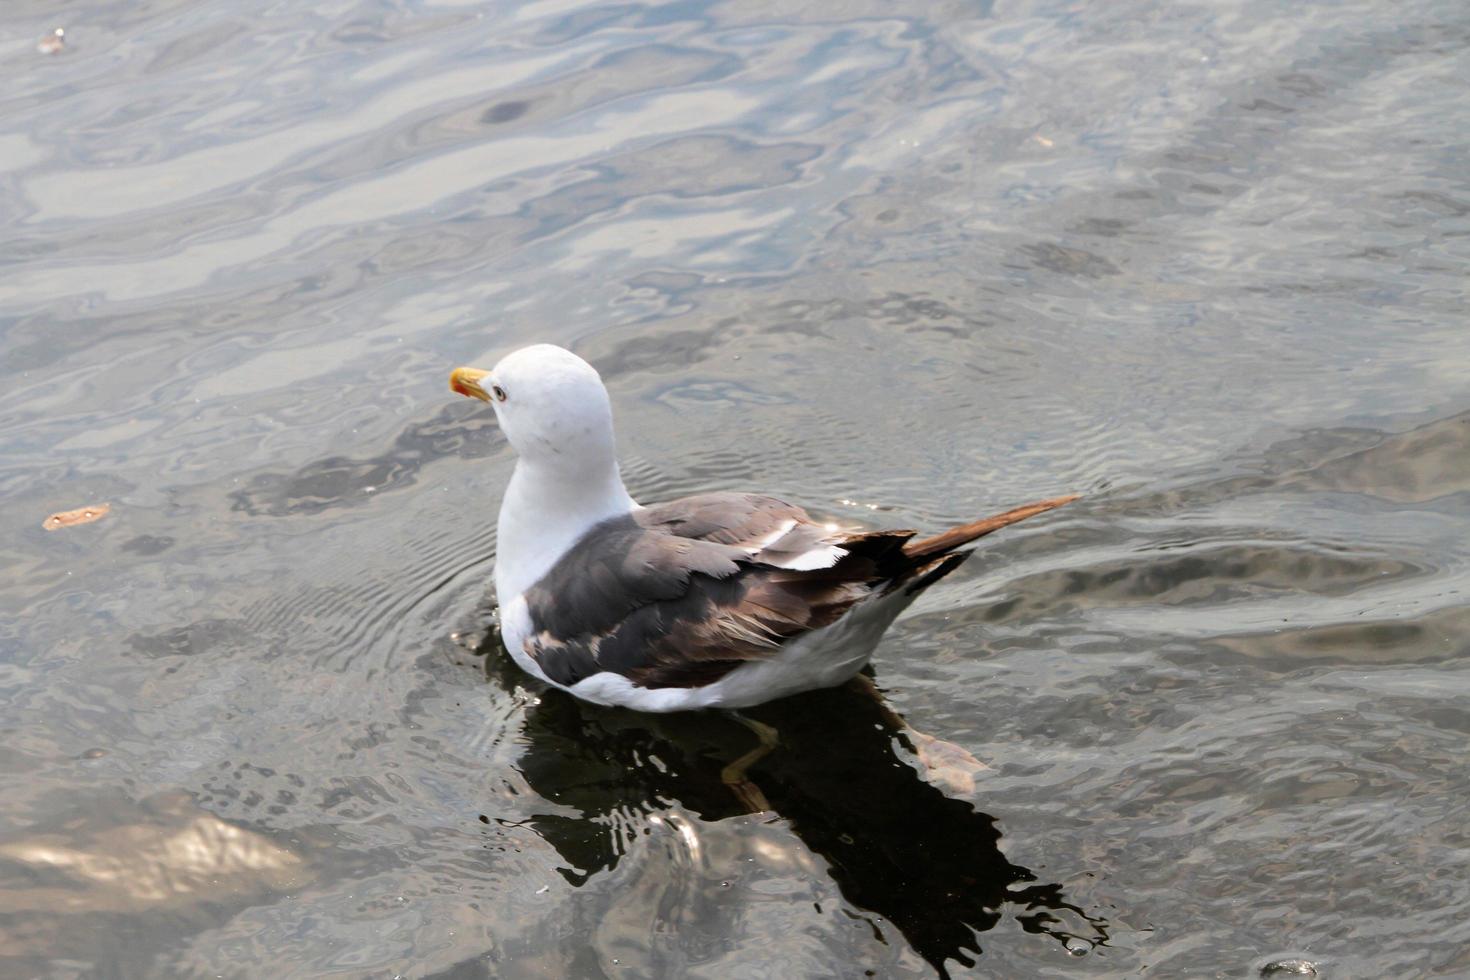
(1203,263)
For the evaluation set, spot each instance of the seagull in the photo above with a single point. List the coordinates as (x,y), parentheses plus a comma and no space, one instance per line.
(718,600)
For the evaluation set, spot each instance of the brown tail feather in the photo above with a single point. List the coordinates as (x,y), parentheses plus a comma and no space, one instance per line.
(965,533)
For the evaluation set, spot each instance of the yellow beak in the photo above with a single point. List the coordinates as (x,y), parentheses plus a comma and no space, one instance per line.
(466,381)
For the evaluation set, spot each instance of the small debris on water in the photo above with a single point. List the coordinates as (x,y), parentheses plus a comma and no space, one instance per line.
(1289,968)
(71,518)
(53,43)
(470,640)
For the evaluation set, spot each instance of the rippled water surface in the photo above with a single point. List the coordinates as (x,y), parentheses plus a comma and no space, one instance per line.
(1203,262)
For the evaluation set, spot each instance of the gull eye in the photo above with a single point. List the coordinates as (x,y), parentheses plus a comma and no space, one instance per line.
(498,392)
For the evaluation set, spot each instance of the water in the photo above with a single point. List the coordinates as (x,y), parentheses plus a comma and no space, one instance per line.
(1203,263)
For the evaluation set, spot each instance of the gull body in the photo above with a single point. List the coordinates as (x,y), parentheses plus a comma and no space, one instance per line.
(722,600)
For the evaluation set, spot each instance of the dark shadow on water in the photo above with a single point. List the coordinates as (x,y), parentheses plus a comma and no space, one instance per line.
(895,845)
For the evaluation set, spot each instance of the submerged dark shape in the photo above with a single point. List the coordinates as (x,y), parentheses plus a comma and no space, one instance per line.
(896,846)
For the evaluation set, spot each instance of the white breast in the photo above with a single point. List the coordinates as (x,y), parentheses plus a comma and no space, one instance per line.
(541,517)
(515,630)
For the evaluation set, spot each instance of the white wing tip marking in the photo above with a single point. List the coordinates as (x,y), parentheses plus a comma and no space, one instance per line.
(773,537)
(824,557)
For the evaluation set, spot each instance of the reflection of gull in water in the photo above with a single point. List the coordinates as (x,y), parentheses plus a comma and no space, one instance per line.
(847,809)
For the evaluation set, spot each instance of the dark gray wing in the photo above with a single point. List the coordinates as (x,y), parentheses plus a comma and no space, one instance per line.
(679,594)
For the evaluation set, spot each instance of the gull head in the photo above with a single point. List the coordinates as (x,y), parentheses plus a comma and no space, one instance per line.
(551,404)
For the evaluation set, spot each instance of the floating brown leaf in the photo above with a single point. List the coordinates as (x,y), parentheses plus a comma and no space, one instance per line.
(71,518)
(53,43)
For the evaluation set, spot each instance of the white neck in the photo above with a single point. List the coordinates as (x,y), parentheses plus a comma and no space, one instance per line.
(544,512)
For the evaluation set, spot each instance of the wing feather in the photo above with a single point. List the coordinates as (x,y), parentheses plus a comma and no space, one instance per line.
(682,593)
